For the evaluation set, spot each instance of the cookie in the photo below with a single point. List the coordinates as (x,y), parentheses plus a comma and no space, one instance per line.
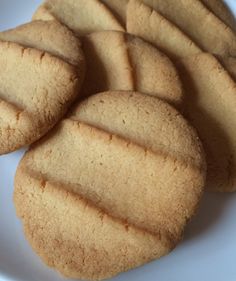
(229,64)
(83,17)
(108,65)
(36,84)
(118,8)
(48,36)
(43,13)
(154,28)
(116,61)
(211,108)
(220,9)
(102,195)
(201,25)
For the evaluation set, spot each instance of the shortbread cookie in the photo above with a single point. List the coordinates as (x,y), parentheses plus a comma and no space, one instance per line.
(116,61)
(201,25)
(211,107)
(43,13)
(220,9)
(36,89)
(49,36)
(109,194)
(118,8)
(108,65)
(229,64)
(154,28)
(83,16)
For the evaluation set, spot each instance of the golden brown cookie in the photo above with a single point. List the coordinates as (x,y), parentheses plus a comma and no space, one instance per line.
(118,8)
(36,84)
(83,16)
(116,61)
(200,24)
(102,195)
(229,64)
(150,25)
(220,9)
(48,36)
(211,107)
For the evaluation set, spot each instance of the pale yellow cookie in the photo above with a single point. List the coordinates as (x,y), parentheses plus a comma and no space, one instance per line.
(150,25)
(49,36)
(117,61)
(211,107)
(200,24)
(38,80)
(220,9)
(112,187)
(83,16)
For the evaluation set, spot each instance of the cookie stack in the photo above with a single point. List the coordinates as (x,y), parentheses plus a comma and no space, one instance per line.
(130,110)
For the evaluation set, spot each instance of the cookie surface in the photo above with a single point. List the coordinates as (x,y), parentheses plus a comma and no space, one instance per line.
(220,9)
(154,28)
(200,24)
(211,107)
(118,193)
(229,64)
(118,8)
(116,61)
(48,36)
(83,17)
(36,83)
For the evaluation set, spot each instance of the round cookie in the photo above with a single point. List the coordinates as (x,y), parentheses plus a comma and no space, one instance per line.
(48,36)
(210,104)
(196,21)
(83,16)
(229,64)
(102,195)
(38,81)
(118,61)
(118,8)
(150,25)
(220,9)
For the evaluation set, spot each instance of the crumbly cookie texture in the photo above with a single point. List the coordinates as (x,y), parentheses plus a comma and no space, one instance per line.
(229,64)
(118,8)
(211,107)
(48,36)
(117,61)
(102,195)
(150,25)
(220,9)
(36,89)
(108,64)
(199,23)
(42,71)
(83,17)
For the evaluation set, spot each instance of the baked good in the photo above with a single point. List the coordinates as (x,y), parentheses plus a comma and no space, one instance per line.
(210,105)
(118,8)
(118,61)
(36,84)
(48,36)
(220,9)
(101,195)
(83,16)
(200,24)
(150,25)
(229,64)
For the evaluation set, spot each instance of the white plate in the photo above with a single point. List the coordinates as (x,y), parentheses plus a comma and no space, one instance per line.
(208,251)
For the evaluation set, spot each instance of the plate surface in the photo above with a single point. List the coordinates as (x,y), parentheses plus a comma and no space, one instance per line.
(208,251)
